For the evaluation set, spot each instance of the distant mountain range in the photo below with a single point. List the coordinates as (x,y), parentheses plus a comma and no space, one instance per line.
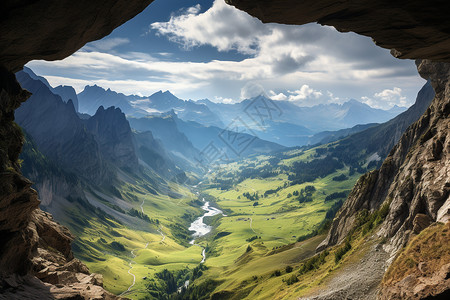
(280,122)
(377,140)
(71,157)
(214,143)
(92,97)
(65,92)
(317,118)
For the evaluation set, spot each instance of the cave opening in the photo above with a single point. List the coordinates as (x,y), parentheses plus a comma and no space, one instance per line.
(187,127)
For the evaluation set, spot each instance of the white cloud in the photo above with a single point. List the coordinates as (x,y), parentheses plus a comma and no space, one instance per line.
(278,57)
(128,87)
(387,98)
(222,26)
(193,10)
(305,92)
(252,89)
(218,99)
(275,96)
(392,96)
(106,44)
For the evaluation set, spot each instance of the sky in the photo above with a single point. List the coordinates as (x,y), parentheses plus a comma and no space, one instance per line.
(208,49)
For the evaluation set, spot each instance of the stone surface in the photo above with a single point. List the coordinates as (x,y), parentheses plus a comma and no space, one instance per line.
(30,242)
(414,178)
(412,29)
(422,269)
(421,221)
(51,30)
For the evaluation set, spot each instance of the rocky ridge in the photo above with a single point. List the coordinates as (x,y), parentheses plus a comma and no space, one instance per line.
(413,178)
(114,136)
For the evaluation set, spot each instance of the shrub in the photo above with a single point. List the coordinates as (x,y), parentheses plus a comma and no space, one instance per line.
(341,251)
(291,280)
(337,195)
(314,262)
(276,273)
(252,238)
(341,177)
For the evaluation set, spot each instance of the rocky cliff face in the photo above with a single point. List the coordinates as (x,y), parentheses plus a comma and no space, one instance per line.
(113,134)
(43,29)
(58,131)
(414,178)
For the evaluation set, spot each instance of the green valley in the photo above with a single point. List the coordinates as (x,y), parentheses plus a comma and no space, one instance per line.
(157,222)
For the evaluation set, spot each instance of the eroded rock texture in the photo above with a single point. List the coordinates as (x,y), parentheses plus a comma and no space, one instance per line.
(412,29)
(51,30)
(31,243)
(414,178)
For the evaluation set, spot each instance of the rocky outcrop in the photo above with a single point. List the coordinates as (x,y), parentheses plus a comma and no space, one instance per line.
(51,30)
(17,199)
(414,179)
(114,136)
(412,29)
(422,268)
(58,275)
(58,131)
(43,29)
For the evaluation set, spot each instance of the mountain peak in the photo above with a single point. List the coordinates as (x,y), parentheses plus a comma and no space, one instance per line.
(93,88)
(354,102)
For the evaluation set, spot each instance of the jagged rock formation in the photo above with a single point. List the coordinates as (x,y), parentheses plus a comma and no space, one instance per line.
(61,276)
(414,178)
(43,29)
(412,29)
(67,93)
(58,131)
(113,134)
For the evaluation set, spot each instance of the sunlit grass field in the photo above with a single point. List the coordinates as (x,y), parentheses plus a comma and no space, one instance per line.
(277,221)
(246,246)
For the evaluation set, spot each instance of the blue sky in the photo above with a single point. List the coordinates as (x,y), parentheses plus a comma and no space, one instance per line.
(207,49)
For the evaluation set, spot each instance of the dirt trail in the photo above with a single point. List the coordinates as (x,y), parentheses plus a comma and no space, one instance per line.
(129,272)
(134,255)
(251,227)
(357,280)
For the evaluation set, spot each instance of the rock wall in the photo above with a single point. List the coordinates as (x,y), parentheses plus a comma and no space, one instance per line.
(51,30)
(412,29)
(31,243)
(414,178)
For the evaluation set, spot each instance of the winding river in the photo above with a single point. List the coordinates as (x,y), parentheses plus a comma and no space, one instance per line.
(200,228)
